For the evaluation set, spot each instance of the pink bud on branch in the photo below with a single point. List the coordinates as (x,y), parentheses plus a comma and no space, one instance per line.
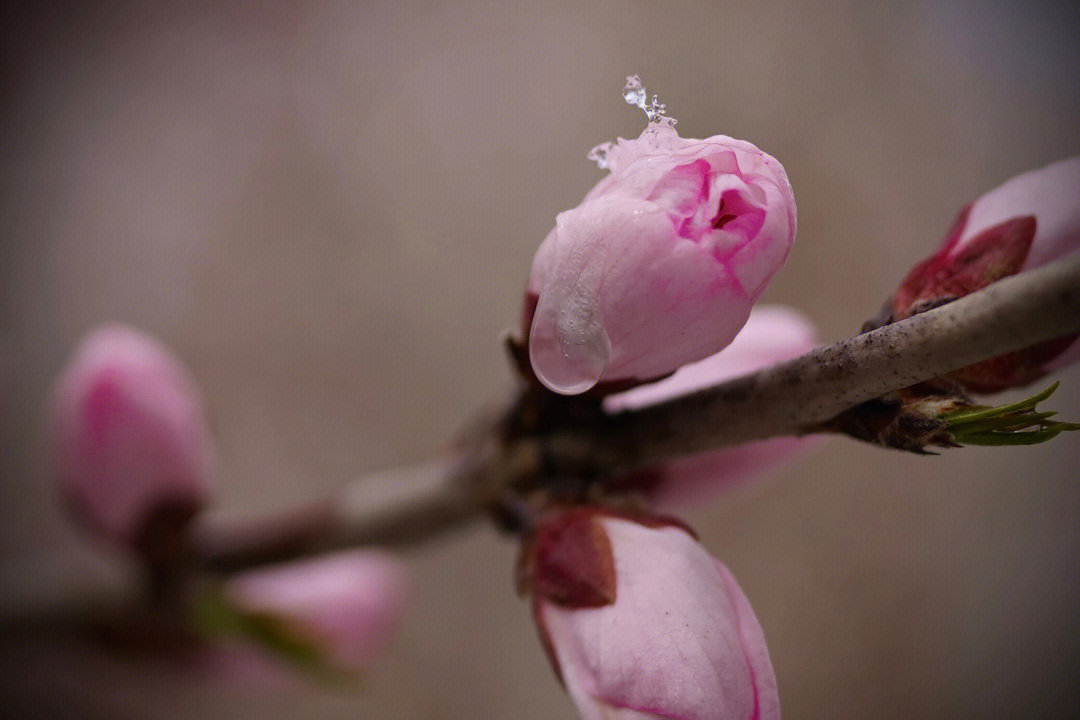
(1031,220)
(129,438)
(641,622)
(347,606)
(660,264)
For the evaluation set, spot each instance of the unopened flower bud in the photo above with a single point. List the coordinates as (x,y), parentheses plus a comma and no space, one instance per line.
(347,606)
(1029,221)
(641,622)
(129,438)
(660,264)
(773,334)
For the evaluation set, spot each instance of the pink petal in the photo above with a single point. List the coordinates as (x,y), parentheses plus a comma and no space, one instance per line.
(349,604)
(1050,194)
(660,264)
(598,295)
(129,434)
(771,335)
(1071,355)
(679,641)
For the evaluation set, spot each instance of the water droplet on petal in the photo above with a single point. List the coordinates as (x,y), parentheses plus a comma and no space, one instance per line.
(568,347)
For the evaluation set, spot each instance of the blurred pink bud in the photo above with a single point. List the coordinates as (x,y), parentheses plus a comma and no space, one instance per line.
(129,436)
(348,605)
(771,335)
(641,622)
(1031,220)
(660,264)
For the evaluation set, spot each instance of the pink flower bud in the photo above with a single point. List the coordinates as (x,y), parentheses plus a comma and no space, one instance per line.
(128,436)
(347,605)
(660,264)
(641,622)
(1030,220)
(771,335)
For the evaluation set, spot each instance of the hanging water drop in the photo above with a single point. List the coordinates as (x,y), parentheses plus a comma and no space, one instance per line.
(634,92)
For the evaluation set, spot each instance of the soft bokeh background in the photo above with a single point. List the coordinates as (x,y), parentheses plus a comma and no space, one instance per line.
(329,211)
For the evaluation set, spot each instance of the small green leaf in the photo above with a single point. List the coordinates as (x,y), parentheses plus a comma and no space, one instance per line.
(216,618)
(276,635)
(958,417)
(1013,422)
(998,439)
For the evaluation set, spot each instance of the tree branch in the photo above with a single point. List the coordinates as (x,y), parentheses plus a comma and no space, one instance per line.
(399,507)
(793,397)
(393,507)
(501,451)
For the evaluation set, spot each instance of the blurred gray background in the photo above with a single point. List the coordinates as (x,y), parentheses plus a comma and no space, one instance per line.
(329,212)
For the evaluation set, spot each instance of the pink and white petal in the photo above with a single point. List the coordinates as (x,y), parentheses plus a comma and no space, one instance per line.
(1066,358)
(772,334)
(1050,194)
(128,434)
(601,295)
(705,477)
(668,646)
(757,652)
(349,604)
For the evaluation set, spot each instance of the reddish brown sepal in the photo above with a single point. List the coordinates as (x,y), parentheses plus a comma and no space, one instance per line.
(1015,369)
(569,560)
(993,254)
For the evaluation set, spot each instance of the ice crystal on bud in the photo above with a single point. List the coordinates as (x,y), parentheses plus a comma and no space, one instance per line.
(634,93)
(655,111)
(599,154)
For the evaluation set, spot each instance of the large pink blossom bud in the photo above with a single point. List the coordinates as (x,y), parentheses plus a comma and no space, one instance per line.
(641,622)
(773,334)
(660,264)
(347,606)
(129,437)
(1030,220)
